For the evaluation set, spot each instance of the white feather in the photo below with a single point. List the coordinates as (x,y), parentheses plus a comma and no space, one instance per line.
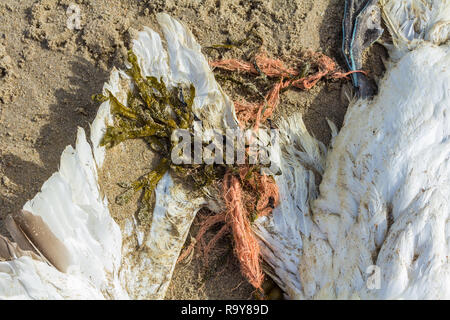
(70,204)
(383,196)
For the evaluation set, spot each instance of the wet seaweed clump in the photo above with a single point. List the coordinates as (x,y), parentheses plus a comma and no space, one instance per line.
(152,113)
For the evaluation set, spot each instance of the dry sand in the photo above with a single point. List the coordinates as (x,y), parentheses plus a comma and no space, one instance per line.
(48,74)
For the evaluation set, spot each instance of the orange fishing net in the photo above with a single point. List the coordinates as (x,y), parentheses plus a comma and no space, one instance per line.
(245,243)
(288,77)
(206,224)
(247,198)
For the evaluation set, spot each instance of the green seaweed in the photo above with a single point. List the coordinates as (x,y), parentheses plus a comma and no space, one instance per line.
(99,98)
(248,86)
(152,112)
(251,33)
(119,108)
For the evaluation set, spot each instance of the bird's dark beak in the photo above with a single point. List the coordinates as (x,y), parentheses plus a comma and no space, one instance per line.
(361,27)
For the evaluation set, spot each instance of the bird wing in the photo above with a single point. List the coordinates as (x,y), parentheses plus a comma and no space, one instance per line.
(74,244)
(92,249)
(380,226)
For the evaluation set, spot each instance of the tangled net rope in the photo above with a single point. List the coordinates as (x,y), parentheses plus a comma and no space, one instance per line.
(244,196)
(289,77)
(244,200)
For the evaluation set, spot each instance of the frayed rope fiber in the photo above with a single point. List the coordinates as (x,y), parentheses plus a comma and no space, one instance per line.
(288,77)
(247,198)
(246,245)
(258,194)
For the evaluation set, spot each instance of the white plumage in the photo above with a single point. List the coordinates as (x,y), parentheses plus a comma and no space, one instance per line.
(71,206)
(382,200)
